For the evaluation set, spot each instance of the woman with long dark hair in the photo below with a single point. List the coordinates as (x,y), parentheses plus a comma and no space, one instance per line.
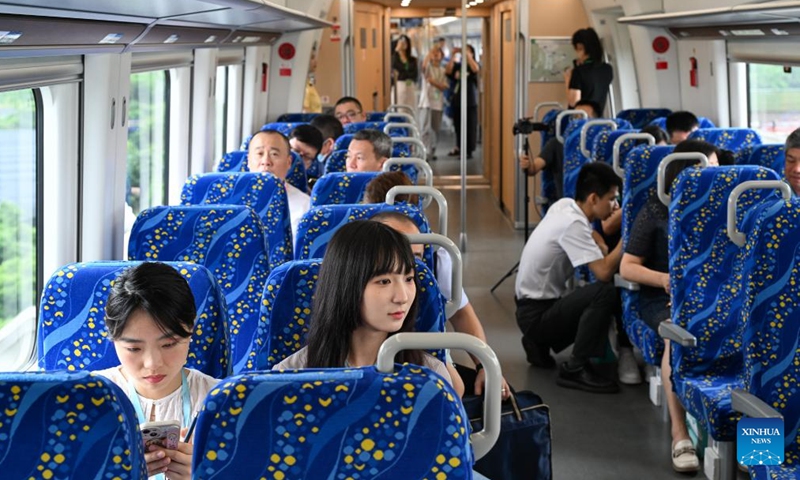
(405,71)
(592,76)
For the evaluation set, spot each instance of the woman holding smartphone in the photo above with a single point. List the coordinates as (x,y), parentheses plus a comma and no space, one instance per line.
(150,316)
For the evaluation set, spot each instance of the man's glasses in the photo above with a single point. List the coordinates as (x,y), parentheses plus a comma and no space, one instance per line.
(350,114)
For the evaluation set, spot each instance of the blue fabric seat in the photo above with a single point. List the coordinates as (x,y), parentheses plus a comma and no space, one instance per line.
(336,162)
(343,142)
(740,141)
(287,303)
(340,188)
(348,423)
(706,287)
(229,240)
(574,159)
(233,162)
(377,125)
(641,117)
(767,155)
(61,425)
(297,117)
(263,192)
(283,127)
(639,184)
(771,331)
(71,331)
(547,179)
(603,149)
(380,116)
(320,223)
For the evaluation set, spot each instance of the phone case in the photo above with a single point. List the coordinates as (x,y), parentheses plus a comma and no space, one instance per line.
(165,434)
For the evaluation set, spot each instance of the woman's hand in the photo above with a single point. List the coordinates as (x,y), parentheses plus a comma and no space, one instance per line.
(157,460)
(480,381)
(665,282)
(180,465)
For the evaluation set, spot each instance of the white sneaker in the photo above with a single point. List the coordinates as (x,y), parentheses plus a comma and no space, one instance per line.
(627,368)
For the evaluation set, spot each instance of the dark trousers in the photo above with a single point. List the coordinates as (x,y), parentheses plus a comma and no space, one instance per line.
(472,127)
(582,317)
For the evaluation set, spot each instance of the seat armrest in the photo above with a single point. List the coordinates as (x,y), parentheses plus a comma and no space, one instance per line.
(752,406)
(676,333)
(626,284)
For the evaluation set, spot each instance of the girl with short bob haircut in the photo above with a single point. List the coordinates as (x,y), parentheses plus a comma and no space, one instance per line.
(366,292)
(150,316)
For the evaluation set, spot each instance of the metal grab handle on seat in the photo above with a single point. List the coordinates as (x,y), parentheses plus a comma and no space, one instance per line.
(585,132)
(561,115)
(454,301)
(483,440)
(651,140)
(396,107)
(430,193)
(737,237)
(413,141)
(417,162)
(409,118)
(662,169)
(542,105)
(389,126)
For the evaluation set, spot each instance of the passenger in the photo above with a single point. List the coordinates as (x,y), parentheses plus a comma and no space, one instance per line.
(331,130)
(726,157)
(431,102)
(270,152)
(658,134)
(150,316)
(349,110)
(306,141)
(546,314)
(592,76)
(646,261)
(405,70)
(346,330)
(465,320)
(791,169)
(368,151)
(378,187)
(680,125)
(552,155)
(453,70)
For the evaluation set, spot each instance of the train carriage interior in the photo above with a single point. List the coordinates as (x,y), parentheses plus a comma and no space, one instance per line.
(233,140)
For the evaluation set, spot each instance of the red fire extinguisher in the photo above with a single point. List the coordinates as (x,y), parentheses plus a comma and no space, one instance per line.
(693,81)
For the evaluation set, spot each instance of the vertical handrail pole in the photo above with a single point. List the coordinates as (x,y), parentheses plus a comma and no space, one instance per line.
(463,126)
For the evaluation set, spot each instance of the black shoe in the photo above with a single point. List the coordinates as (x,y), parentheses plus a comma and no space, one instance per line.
(586,379)
(538,355)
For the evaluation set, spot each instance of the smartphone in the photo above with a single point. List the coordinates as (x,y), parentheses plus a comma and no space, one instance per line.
(165,434)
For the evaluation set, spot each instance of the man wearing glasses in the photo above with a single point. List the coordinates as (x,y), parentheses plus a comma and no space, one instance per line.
(348,110)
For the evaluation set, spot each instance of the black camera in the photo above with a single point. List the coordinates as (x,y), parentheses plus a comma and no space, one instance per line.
(526,126)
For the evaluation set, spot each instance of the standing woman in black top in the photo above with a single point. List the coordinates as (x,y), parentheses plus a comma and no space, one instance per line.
(592,76)
(405,71)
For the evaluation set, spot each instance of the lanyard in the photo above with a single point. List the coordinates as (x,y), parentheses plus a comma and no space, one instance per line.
(187,401)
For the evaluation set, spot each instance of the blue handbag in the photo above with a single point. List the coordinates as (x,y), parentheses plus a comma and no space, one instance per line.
(524,448)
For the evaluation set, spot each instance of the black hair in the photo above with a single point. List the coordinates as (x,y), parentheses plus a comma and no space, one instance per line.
(344,100)
(272,132)
(598,178)
(309,135)
(590,103)
(681,121)
(408,45)
(657,132)
(155,288)
(591,43)
(329,126)
(381,143)
(726,157)
(687,146)
(358,251)
(378,187)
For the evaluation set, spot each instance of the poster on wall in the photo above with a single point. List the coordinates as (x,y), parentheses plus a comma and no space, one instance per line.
(550,57)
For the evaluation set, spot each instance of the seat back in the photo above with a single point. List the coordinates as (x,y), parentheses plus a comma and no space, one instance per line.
(603,150)
(574,159)
(296,176)
(348,423)
(71,331)
(740,141)
(355,127)
(767,155)
(233,162)
(283,127)
(771,332)
(297,117)
(320,223)
(343,142)
(68,425)
(550,119)
(286,311)
(641,117)
(336,162)
(229,240)
(341,188)
(263,192)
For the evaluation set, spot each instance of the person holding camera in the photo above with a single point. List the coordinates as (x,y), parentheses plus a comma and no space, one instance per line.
(591,77)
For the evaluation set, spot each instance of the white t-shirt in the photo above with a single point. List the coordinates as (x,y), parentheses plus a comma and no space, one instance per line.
(562,241)
(171,406)
(298,360)
(299,204)
(432,97)
(444,274)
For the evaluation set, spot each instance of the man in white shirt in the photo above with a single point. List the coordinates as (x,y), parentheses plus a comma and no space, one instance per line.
(546,314)
(269,151)
(368,151)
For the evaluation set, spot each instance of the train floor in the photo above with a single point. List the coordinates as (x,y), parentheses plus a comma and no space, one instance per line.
(619,436)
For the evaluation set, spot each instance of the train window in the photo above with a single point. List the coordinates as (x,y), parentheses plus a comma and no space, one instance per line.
(148,118)
(773,99)
(19,111)
(221,120)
